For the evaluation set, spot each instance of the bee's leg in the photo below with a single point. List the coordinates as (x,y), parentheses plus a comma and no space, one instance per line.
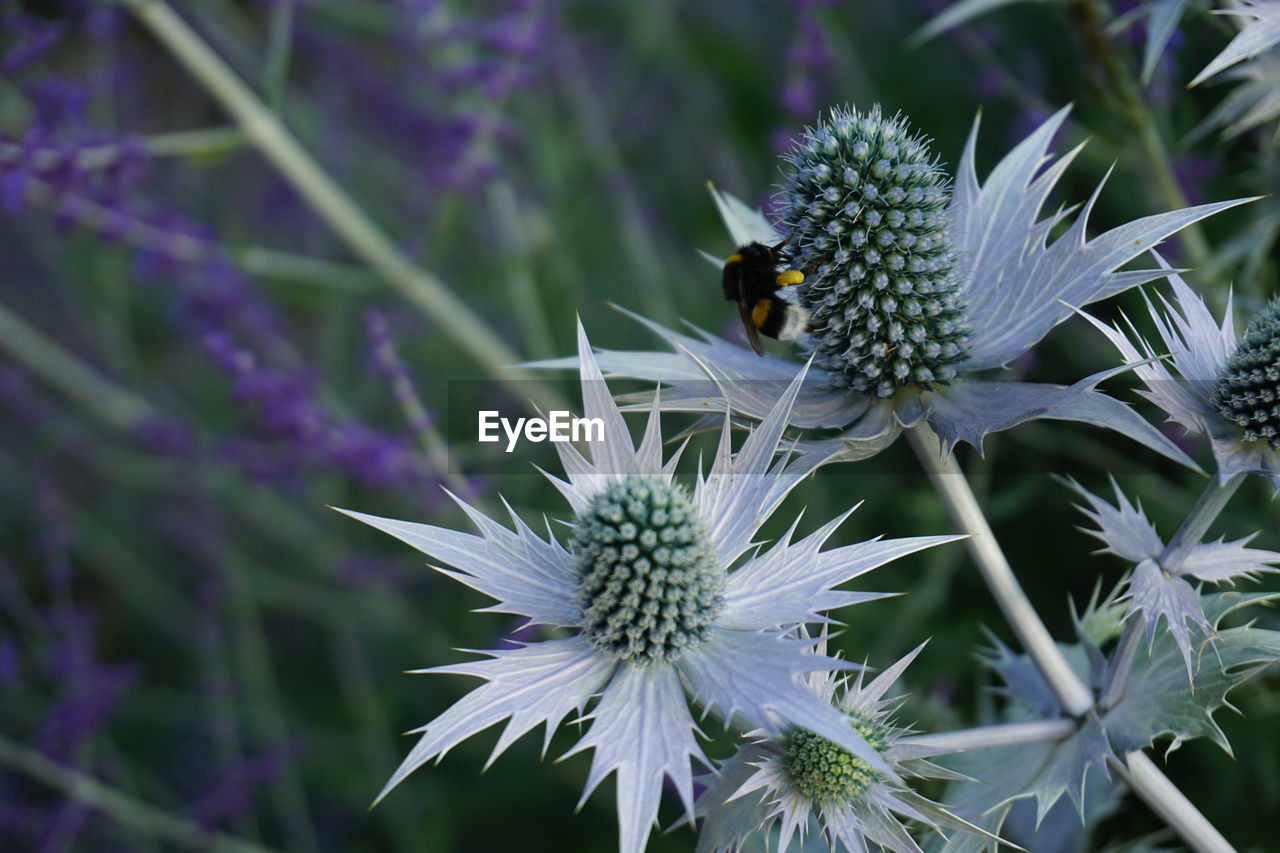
(777,249)
(788,278)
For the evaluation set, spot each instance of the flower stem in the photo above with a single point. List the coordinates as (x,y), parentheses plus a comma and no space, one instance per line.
(1145,778)
(1207,508)
(953,488)
(1168,802)
(1006,734)
(1155,154)
(275,74)
(113,405)
(1198,521)
(1121,662)
(135,814)
(264,129)
(182,143)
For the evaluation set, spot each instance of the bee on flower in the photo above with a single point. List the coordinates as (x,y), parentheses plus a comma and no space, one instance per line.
(915,292)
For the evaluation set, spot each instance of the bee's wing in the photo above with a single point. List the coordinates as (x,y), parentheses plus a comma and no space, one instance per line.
(749,323)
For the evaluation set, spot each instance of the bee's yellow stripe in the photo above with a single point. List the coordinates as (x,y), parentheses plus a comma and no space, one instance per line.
(761,312)
(735,258)
(790,277)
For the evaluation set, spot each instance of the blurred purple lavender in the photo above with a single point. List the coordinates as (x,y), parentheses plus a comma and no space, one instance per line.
(291,429)
(213,302)
(452,133)
(1195,170)
(236,792)
(808,60)
(90,689)
(395,371)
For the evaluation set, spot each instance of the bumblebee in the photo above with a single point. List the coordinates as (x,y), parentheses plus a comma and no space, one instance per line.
(752,280)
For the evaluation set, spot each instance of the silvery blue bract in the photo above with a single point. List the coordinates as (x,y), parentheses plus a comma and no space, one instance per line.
(1259,34)
(1158,588)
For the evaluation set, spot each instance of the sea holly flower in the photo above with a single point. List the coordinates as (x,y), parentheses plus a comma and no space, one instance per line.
(786,779)
(1158,587)
(668,600)
(1211,384)
(916,298)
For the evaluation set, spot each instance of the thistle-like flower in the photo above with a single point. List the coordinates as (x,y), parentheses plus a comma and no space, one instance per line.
(866,207)
(1248,391)
(914,295)
(1211,384)
(786,779)
(665,593)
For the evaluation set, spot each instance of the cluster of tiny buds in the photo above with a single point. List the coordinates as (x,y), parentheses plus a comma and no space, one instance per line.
(865,206)
(822,772)
(648,582)
(1248,392)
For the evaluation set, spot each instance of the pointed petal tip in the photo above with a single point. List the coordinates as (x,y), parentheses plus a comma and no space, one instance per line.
(382,795)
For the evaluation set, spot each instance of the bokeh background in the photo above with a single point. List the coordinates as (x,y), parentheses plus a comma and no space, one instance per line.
(193,366)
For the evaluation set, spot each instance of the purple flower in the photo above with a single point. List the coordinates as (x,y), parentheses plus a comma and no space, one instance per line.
(236,792)
(33,39)
(91,689)
(166,436)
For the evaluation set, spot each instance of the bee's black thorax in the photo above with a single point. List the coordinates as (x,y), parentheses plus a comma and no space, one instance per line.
(751,272)
(752,280)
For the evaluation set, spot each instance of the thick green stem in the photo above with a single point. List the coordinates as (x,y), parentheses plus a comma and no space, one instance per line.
(953,488)
(264,130)
(136,815)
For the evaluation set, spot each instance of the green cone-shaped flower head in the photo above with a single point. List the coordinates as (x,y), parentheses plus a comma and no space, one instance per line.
(1248,392)
(823,772)
(648,583)
(865,204)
